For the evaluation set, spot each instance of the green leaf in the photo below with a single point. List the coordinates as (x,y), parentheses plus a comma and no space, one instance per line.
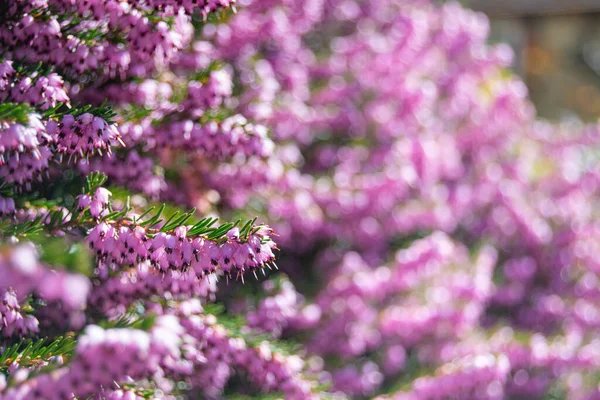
(93,181)
(15,112)
(32,353)
(220,231)
(144,324)
(168,221)
(142,215)
(154,220)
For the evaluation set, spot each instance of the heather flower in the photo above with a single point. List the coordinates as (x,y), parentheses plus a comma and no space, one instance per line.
(83,136)
(24,151)
(7,206)
(274,312)
(233,137)
(6,74)
(204,6)
(44,91)
(211,94)
(477,377)
(177,252)
(116,293)
(12,320)
(97,204)
(19,138)
(25,274)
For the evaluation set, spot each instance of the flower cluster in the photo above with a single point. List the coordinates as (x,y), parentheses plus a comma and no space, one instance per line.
(23,272)
(83,136)
(274,313)
(12,320)
(267,370)
(35,89)
(234,136)
(6,74)
(23,275)
(204,6)
(29,144)
(473,377)
(183,341)
(177,251)
(79,39)
(43,91)
(211,94)
(24,150)
(7,206)
(115,294)
(97,203)
(95,365)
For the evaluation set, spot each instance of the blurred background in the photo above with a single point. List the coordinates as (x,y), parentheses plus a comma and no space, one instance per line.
(557,46)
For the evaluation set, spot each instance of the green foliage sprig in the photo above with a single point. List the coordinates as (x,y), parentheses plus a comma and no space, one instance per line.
(30,353)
